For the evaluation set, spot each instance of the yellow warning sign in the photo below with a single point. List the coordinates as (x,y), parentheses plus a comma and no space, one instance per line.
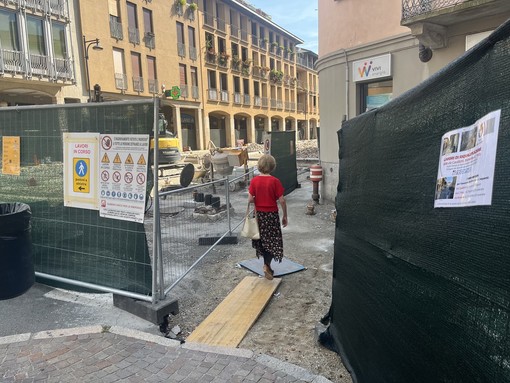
(141,160)
(11,155)
(129,160)
(81,175)
(117,159)
(105,159)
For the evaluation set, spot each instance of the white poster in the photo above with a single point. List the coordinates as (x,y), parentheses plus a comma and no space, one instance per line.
(466,164)
(80,170)
(123,176)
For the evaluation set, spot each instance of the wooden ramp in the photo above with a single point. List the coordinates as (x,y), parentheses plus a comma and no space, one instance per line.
(233,317)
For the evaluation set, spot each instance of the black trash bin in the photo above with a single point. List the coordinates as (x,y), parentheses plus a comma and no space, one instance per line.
(16,264)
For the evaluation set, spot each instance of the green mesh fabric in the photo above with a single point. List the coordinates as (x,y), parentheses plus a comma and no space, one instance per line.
(69,242)
(423,294)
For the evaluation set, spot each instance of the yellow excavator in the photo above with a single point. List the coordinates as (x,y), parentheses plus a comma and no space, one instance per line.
(168,144)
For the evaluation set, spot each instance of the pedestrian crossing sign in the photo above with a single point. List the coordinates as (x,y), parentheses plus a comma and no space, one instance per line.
(81,175)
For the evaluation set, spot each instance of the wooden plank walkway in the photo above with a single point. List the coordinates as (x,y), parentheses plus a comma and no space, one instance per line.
(233,317)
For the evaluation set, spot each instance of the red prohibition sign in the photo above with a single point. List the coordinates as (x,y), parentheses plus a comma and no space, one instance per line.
(105,176)
(140,178)
(117,177)
(128,177)
(106,142)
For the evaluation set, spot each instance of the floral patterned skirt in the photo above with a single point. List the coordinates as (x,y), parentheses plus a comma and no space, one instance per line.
(270,241)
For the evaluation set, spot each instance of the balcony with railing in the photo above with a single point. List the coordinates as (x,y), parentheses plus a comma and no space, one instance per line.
(208,20)
(244,35)
(246,99)
(181,50)
(121,81)
(58,8)
(257,101)
(430,19)
(224,96)
(11,62)
(153,86)
(134,35)
(212,94)
(150,40)
(138,84)
(184,90)
(234,31)
(265,102)
(210,57)
(39,65)
(116,30)
(273,103)
(64,69)
(194,92)
(220,25)
(192,53)
(237,98)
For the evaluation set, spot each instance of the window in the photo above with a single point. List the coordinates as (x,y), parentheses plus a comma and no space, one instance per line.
(35,34)
(152,74)
(134,34)
(136,66)
(59,40)
(192,43)
(224,87)
(194,81)
(373,95)
(183,78)
(181,48)
(120,69)
(115,24)
(9,31)
(211,78)
(148,35)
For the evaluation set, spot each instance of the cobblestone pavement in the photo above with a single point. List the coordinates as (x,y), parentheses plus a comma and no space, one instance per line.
(116,354)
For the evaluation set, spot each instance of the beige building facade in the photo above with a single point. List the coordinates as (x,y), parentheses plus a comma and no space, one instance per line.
(371,52)
(225,72)
(38,52)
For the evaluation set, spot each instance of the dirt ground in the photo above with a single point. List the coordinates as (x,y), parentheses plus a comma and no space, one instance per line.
(286,328)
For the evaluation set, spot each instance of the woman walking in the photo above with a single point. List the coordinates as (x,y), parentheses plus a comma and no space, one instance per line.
(265,191)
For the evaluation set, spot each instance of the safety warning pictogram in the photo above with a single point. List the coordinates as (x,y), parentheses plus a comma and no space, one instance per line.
(117,159)
(141,160)
(129,160)
(105,159)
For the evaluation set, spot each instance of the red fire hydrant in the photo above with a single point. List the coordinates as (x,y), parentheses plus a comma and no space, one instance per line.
(315,177)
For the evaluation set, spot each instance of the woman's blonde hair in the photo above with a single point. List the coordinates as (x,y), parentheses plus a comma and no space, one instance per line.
(266,164)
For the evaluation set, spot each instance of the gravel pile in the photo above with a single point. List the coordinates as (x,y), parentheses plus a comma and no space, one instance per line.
(304,148)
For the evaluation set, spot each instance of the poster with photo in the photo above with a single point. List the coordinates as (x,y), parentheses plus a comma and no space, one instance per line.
(466,164)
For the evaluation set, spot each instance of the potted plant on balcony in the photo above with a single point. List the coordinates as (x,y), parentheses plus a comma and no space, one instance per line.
(193,7)
(276,75)
(263,71)
(223,59)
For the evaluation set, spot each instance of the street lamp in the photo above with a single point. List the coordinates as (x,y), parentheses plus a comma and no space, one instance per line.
(86,45)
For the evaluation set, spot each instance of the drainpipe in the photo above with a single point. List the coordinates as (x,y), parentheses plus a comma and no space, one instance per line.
(346,84)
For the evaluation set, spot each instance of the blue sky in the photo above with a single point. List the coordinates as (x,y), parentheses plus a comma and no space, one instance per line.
(300,17)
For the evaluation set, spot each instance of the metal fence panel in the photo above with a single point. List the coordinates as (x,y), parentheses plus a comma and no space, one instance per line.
(69,242)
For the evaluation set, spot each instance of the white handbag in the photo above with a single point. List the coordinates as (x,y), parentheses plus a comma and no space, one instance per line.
(251,226)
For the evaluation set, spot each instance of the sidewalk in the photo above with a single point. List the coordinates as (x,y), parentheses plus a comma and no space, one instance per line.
(117,354)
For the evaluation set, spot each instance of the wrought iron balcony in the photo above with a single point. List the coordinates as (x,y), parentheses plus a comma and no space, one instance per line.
(150,40)
(224,96)
(11,62)
(116,30)
(153,86)
(121,81)
(138,84)
(194,92)
(430,19)
(450,12)
(184,90)
(134,35)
